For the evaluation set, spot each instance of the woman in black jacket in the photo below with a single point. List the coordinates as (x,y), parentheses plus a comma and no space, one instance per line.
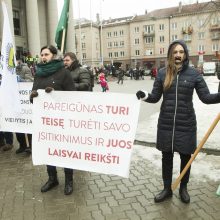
(177,119)
(51,75)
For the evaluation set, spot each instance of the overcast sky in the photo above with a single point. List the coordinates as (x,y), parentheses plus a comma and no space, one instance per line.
(119,8)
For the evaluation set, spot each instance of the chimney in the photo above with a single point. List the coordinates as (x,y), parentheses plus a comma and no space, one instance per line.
(180,7)
(146,12)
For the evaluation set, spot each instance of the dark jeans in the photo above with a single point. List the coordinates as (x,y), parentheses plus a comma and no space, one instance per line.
(167,168)
(7,137)
(52,170)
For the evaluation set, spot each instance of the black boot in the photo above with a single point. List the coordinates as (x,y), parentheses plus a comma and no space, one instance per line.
(68,189)
(20,150)
(51,183)
(184,195)
(163,195)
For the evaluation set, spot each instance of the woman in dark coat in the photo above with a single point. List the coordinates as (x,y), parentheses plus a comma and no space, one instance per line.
(51,75)
(177,120)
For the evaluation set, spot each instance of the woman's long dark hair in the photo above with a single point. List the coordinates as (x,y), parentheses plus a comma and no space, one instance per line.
(171,68)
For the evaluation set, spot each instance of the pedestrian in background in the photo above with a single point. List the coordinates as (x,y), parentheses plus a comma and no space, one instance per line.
(51,75)
(24,72)
(121,74)
(103,82)
(177,120)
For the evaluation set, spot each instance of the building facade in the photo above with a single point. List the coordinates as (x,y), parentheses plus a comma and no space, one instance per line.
(34,23)
(140,40)
(143,40)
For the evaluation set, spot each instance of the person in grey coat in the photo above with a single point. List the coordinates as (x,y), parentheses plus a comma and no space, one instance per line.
(177,126)
(81,76)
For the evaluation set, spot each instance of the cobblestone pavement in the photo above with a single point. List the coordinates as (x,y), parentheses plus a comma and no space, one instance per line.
(98,196)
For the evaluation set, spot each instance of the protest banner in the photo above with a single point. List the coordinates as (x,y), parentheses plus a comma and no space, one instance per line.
(84,130)
(19,121)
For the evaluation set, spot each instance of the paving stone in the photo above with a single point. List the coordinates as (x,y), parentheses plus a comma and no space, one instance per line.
(98,196)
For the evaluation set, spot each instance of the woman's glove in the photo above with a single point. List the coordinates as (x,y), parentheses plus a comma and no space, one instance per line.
(33,94)
(48,89)
(141,95)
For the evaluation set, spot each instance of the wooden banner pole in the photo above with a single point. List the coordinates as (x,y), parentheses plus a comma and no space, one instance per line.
(199,147)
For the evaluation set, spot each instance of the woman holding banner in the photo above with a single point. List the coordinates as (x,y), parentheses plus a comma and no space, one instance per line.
(51,75)
(177,126)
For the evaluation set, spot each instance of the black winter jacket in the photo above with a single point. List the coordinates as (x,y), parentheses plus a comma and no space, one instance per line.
(177,126)
(81,77)
(61,80)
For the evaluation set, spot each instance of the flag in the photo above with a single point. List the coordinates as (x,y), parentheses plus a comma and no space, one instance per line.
(62,24)
(9,92)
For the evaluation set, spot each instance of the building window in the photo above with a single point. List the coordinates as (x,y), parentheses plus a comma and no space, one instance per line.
(174,37)
(215,47)
(83,36)
(187,37)
(201,23)
(162,50)
(109,34)
(137,52)
(109,44)
(116,54)
(201,47)
(136,41)
(84,55)
(121,32)
(136,30)
(110,55)
(215,21)
(161,27)
(161,39)
(174,26)
(122,53)
(83,45)
(201,35)
(186,24)
(115,44)
(149,40)
(122,43)
(149,28)
(115,33)
(16,22)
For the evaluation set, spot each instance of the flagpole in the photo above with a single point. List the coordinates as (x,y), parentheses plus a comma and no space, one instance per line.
(91,32)
(63,40)
(101,33)
(80,40)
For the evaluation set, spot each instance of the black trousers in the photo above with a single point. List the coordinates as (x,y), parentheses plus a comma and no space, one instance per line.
(6,137)
(167,168)
(52,170)
(22,140)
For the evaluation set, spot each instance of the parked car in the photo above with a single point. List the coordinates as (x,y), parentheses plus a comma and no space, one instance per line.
(209,68)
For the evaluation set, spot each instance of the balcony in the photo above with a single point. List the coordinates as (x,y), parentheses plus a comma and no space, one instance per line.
(215,27)
(187,30)
(149,34)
